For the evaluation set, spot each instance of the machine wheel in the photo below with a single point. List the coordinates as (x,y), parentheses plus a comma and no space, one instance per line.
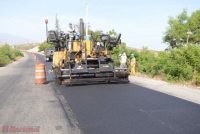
(68,85)
(58,81)
(107,81)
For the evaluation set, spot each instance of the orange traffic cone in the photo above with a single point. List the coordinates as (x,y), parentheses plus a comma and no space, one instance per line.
(40,74)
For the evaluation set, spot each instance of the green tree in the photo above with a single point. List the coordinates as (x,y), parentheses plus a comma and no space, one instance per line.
(44,45)
(194,26)
(119,49)
(95,34)
(176,33)
(112,33)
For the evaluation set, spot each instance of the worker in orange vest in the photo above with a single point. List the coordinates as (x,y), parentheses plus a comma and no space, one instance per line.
(133,62)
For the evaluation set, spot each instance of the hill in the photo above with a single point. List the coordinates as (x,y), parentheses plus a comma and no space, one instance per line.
(26,46)
(13,40)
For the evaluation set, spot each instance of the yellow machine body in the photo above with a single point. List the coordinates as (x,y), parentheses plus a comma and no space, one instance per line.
(58,58)
(87,45)
(83,59)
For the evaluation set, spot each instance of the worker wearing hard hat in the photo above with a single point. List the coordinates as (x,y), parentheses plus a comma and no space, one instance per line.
(72,31)
(132,64)
(72,36)
(123,60)
(120,59)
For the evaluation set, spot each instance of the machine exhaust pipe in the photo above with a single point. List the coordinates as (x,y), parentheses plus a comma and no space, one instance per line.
(81,29)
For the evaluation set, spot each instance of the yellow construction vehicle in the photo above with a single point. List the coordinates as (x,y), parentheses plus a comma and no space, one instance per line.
(80,59)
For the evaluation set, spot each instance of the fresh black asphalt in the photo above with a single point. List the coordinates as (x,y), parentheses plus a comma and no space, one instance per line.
(129,109)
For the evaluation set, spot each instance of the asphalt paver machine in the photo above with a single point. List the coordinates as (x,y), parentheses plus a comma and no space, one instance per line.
(80,59)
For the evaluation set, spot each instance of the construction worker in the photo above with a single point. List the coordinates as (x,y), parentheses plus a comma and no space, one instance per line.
(132,64)
(123,61)
(72,32)
(120,59)
(72,36)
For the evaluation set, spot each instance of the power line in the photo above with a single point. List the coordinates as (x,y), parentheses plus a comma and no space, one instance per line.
(95,4)
(78,13)
(92,5)
(80,10)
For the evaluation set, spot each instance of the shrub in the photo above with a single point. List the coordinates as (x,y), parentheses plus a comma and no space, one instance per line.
(44,45)
(197,79)
(7,54)
(18,53)
(145,62)
(178,64)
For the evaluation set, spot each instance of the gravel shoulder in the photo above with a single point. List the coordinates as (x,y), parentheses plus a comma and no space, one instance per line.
(183,92)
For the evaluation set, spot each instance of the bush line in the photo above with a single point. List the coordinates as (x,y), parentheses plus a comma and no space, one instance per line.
(7,54)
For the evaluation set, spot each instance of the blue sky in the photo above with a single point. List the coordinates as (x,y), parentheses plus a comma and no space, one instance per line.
(141,23)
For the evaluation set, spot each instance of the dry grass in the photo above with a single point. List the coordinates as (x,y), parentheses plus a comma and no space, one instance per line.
(150,76)
(26,46)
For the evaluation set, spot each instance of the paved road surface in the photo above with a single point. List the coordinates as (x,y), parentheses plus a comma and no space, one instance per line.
(99,109)
(130,109)
(23,104)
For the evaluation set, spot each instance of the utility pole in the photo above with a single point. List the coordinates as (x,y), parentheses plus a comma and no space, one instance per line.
(57,25)
(46,22)
(86,20)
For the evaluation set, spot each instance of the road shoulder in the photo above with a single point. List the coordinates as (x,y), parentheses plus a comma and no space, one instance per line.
(183,92)
(24,104)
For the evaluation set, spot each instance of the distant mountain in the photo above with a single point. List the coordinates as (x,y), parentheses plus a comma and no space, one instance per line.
(13,40)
